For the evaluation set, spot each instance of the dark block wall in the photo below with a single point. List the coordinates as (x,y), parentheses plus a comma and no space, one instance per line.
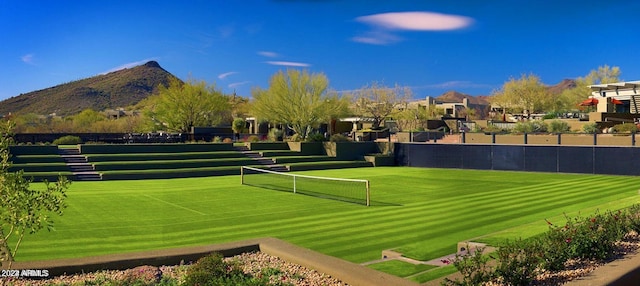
(534,158)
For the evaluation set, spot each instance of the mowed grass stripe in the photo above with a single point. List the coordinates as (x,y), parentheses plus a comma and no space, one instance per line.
(239,212)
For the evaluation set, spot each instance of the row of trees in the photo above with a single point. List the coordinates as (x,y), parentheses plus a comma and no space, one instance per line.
(529,94)
(302,101)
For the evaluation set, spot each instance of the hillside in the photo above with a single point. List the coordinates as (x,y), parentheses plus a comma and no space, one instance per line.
(454,96)
(108,91)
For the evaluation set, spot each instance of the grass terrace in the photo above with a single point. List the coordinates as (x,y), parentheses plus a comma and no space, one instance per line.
(422,213)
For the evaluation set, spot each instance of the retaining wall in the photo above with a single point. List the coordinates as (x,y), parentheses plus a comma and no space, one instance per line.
(536,158)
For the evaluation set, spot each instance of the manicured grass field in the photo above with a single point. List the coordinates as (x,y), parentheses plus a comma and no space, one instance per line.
(420,212)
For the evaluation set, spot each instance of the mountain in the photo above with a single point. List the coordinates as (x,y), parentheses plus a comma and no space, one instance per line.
(560,87)
(454,96)
(107,91)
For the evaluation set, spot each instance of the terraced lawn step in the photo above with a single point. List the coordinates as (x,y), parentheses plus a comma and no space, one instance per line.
(307,166)
(163,156)
(20,159)
(301,159)
(172,164)
(170,173)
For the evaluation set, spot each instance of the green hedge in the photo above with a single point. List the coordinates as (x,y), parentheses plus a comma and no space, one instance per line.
(33,150)
(279,153)
(170,173)
(171,164)
(40,167)
(260,146)
(301,159)
(328,165)
(49,176)
(155,148)
(23,159)
(163,156)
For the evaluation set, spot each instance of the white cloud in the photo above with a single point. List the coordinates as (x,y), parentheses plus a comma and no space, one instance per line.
(288,64)
(417,21)
(224,75)
(383,24)
(268,54)
(236,84)
(28,59)
(129,65)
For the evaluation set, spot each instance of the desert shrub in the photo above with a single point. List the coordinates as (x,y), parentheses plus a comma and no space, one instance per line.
(295,138)
(67,140)
(316,137)
(227,140)
(590,128)
(216,139)
(549,116)
(474,268)
(339,138)
(517,262)
(492,128)
(253,138)
(530,127)
(625,128)
(275,134)
(558,126)
(213,270)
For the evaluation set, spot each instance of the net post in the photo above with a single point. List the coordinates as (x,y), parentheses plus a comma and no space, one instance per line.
(294,184)
(368,194)
(241,175)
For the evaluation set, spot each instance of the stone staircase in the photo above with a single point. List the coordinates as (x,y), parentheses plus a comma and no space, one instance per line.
(78,165)
(269,163)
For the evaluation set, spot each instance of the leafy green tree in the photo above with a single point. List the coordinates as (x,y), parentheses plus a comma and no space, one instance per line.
(23,210)
(180,106)
(379,102)
(85,120)
(570,98)
(299,100)
(527,93)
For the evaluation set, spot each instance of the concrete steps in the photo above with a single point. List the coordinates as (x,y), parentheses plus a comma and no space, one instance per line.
(269,163)
(78,165)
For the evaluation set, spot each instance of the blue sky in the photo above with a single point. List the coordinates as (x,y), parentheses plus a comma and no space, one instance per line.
(431,46)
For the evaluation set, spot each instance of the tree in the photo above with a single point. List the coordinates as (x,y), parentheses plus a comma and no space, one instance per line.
(379,102)
(23,209)
(570,98)
(180,106)
(299,100)
(524,94)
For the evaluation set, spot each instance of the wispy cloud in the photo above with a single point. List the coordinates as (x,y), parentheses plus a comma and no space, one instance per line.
(236,84)
(268,54)
(454,84)
(383,25)
(288,64)
(224,75)
(129,65)
(28,59)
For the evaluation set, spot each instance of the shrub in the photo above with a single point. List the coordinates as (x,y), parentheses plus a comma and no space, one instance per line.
(559,126)
(530,127)
(316,137)
(339,138)
(492,128)
(213,270)
(67,140)
(238,125)
(625,128)
(275,134)
(517,262)
(474,268)
(227,140)
(590,128)
(253,138)
(217,139)
(549,116)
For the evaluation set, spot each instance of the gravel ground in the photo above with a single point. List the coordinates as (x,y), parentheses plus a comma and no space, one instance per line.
(251,263)
(281,271)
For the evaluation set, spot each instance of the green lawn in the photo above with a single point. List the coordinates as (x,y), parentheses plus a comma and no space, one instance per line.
(420,212)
